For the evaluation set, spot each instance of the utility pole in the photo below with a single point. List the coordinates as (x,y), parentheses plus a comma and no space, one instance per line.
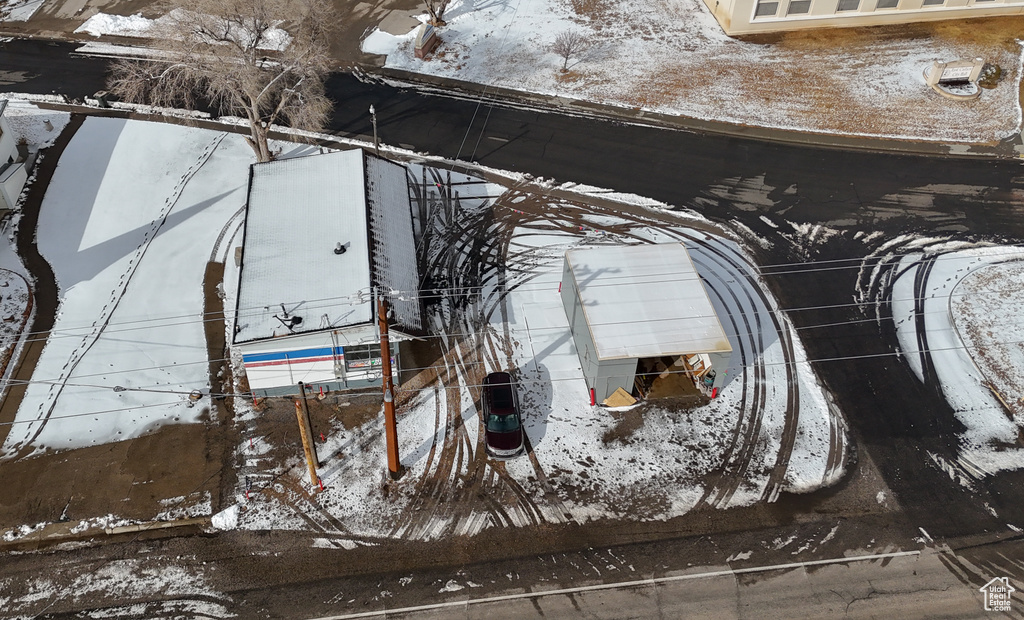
(373,119)
(306,431)
(390,420)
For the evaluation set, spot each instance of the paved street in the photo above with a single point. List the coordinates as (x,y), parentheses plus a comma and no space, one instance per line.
(903,583)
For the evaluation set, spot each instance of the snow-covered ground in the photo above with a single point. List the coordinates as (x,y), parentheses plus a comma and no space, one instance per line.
(956,309)
(770,429)
(139,26)
(175,591)
(129,199)
(673,58)
(22,10)
(124,321)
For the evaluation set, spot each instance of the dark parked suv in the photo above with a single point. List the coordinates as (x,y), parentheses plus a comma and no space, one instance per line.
(503,426)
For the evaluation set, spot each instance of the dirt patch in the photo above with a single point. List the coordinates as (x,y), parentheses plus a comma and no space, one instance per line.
(277,425)
(592,10)
(626,423)
(168,470)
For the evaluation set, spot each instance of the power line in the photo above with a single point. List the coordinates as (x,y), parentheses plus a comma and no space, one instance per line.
(448,367)
(436,293)
(755,312)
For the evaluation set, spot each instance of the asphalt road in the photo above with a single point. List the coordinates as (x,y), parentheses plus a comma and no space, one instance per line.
(782,194)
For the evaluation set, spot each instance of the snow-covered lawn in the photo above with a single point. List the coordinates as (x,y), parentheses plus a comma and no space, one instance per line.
(673,58)
(956,308)
(133,213)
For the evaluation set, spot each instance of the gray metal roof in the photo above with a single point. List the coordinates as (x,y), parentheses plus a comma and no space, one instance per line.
(299,210)
(645,301)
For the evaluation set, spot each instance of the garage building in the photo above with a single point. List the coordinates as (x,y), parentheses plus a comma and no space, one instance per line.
(631,303)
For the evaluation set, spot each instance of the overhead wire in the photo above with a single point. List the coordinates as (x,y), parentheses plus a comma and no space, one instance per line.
(549,381)
(436,293)
(142,324)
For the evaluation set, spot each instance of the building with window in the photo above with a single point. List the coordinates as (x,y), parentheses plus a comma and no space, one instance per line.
(323,235)
(739,17)
(632,303)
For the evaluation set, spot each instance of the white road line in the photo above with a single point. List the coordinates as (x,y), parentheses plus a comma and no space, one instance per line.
(622,584)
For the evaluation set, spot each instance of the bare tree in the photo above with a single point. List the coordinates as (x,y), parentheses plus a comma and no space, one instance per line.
(235,55)
(436,9)
(569,43)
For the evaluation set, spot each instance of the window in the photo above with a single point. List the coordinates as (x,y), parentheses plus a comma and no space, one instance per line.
(362,356)
(934,2)
(887,4)
(799,7)
(766,9)
(848,5)
(502,423)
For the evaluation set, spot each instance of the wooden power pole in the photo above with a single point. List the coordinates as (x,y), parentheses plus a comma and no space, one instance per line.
(306,431)
(390,420)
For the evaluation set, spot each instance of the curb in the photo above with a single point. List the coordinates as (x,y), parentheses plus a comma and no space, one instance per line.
(564,105)
(371,65)
(58,533)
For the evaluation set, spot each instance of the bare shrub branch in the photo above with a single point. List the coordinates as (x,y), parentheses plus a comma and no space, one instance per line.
(569,43)
(235,56)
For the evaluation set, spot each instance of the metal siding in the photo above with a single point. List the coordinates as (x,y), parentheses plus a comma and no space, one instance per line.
(393,243)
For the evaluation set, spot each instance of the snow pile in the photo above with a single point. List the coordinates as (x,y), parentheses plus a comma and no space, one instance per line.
(136,25)
(21,531)
(226,519)
(673,58)
(123,25)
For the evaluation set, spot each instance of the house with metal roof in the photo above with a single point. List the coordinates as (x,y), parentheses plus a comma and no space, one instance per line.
(324,235)
(630,303)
